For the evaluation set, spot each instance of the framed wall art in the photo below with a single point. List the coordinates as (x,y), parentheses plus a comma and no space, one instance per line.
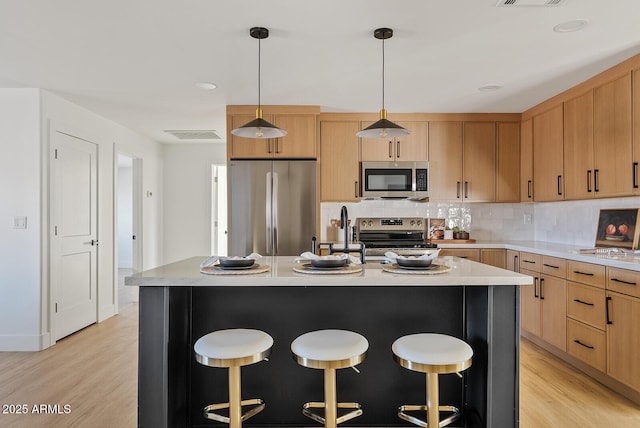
(618,228)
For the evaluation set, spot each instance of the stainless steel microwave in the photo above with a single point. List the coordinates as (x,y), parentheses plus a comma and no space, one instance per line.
(402,179)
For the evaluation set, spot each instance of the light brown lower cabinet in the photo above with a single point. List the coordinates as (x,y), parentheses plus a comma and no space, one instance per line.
(463,253)
(623,339)
(587,344)
(494,256)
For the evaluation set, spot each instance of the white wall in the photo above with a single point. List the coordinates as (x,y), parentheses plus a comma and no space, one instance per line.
(187,195)
(27,116)
(20,273)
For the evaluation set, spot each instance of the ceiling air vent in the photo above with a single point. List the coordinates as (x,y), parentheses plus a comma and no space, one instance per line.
(530,2)
(205,134)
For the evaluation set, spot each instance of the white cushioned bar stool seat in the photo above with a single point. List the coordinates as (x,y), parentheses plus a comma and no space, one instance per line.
(433,354)
(232,349)
(330,350)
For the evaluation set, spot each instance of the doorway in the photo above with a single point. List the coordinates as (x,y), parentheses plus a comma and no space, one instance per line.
(219,210)
(128,233)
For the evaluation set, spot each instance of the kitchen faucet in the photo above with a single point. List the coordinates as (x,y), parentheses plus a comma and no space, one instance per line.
(344,224)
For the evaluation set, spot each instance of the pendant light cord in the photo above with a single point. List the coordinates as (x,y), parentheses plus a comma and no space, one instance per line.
(383,74)
(259,61)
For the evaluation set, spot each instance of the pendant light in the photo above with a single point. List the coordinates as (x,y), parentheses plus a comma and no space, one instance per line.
(259,128)
(383,128)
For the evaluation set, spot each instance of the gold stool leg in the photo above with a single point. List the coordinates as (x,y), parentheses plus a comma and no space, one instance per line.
(330,400)
(433,405)
(235,398)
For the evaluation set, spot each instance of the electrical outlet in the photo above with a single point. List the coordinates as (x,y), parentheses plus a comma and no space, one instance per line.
(20,222)
(527,219)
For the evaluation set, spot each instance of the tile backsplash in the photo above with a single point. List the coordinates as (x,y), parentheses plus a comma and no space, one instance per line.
(567,222)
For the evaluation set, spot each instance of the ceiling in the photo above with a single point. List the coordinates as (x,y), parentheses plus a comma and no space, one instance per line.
(137,62)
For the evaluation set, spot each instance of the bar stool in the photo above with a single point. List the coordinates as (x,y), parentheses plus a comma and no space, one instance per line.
(233,349)
(330,350)
(432,354)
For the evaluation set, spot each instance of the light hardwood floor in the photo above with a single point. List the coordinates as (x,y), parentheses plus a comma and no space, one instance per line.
(94,371)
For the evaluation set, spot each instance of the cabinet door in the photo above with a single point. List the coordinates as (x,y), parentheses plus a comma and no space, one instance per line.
(445,161)
(248,148)
(547,155)
(479,162)
(300,141)
(508,162)
(412,147)
(578,147)
(494,257)
(339,166)
(636,131)
(513,260)
(612,138)
(553,295)
(415,146)
(526,161)
(623,340)
(530,304)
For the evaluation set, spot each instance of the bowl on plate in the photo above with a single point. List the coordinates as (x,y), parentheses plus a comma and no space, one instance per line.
(413,263)
(236,262)
(329,262)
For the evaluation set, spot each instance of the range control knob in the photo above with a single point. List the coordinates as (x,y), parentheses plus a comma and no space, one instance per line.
(412,223)
(370,223)
(364,223)
(419,222)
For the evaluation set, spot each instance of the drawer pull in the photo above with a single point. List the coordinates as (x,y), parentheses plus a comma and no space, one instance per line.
(528,261)
(606,306)
(582,344)
(582,273)
(581,302)
(551,266)
(623,282)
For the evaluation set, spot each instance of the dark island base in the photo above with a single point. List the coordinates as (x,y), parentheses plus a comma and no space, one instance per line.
(173,387)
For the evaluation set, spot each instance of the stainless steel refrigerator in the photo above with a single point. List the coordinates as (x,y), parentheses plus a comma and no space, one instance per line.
(272,206)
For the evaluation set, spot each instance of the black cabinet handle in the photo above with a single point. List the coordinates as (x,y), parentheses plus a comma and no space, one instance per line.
(268,141)
(398,149)
(515,263)
(607,309)
(582,344)
(595,180)
(356,188)
(466,189)
(541,288)
(623,282)
(535,287)
(581,302)
(390,149)
(551,266)
(582,273)
(528,261)
(589,181)
(529,194)
(634,172)
(559,185)
(458,189)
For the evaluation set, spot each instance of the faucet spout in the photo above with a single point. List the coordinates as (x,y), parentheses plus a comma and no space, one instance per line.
(344,224)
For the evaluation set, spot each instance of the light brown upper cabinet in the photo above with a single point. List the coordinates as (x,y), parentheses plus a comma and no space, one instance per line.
(300,122)
(613,168)
(508,162)
(636,131)
(412,147)
(462,161)
(526,161)
(479,162)
(578,147)
(339,161)
(445,160)
(548,173)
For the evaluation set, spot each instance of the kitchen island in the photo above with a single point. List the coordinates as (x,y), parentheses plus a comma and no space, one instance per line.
(472,301)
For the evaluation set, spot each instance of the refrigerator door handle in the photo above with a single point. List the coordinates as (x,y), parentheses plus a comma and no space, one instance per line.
(268,214)
(275,213)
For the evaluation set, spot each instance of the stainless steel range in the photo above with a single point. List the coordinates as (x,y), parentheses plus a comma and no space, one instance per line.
(403,235)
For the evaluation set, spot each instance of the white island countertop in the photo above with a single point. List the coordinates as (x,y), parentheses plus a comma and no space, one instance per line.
(462,273)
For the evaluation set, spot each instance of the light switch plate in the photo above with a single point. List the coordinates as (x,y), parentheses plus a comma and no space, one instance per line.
(20,222)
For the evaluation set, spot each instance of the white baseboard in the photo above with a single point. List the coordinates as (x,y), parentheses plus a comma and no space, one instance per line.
(25,343)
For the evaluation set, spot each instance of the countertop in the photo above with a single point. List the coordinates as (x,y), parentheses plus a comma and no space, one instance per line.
(569,252)
(281,273)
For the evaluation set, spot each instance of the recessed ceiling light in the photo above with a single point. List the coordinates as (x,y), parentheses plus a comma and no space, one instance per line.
(489,88)
(206,86)
(569,26)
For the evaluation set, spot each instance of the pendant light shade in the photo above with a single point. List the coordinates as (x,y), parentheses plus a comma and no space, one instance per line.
(258,127)
(383,128)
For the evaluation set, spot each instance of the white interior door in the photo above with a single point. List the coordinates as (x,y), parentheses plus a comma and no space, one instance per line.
(74,234)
